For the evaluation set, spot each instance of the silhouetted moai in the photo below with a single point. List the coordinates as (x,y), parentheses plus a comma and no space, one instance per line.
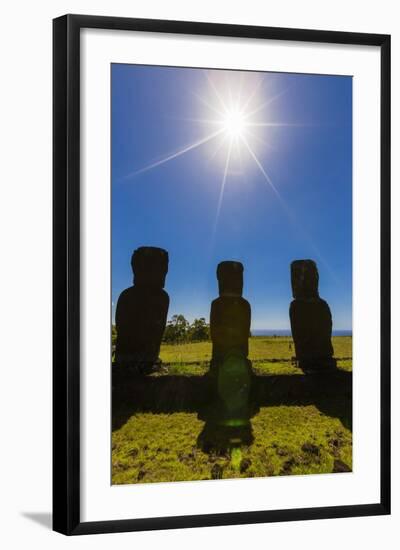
(310,319)
(230,315)
(142,309)
(228,416)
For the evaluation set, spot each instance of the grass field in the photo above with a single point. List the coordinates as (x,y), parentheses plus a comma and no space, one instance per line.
(301,425)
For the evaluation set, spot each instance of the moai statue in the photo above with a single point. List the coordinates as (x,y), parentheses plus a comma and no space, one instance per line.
(142,309)
(228,411)
(230,315)
(310,319)
(230,329)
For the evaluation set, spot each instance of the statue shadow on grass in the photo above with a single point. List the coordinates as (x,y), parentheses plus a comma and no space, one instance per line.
(330,392)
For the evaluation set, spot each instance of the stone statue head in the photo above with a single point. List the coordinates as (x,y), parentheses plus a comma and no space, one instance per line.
(304,274)
(230,278)
(149,266)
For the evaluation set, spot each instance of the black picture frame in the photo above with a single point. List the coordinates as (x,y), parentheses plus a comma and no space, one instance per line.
(66,273)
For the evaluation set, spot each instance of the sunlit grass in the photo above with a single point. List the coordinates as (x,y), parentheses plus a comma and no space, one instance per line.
(289,439)
(260,347)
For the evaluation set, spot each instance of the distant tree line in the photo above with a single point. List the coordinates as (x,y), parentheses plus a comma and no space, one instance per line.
(179,330)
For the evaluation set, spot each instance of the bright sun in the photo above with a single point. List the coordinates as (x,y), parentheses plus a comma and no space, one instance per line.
(236,117)
(237,108)
(234,123)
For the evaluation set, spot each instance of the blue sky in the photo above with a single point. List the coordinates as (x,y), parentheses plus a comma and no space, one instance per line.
(287,190)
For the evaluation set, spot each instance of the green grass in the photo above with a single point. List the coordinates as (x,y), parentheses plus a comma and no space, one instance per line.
(260,347)
(296,430)
(287,440)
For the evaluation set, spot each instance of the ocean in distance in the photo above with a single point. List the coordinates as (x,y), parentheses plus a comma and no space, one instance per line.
(287,332)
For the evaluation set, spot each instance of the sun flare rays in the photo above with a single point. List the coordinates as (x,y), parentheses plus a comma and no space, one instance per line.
(236,111)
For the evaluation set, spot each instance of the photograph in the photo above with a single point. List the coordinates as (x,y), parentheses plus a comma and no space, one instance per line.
(231,274)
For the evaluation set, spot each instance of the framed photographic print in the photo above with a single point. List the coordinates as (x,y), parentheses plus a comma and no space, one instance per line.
(221,274)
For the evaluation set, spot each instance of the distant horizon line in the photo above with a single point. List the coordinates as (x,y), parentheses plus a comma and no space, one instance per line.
(289,330)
